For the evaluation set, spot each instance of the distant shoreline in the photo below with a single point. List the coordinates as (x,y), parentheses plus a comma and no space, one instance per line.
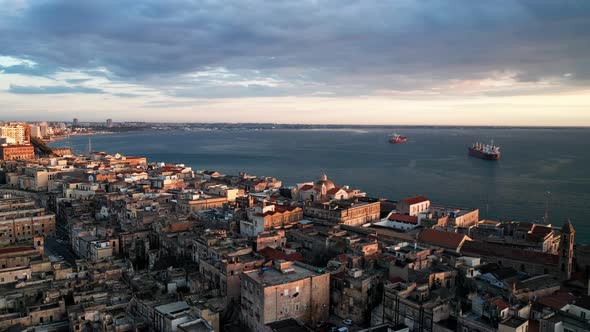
(61,138)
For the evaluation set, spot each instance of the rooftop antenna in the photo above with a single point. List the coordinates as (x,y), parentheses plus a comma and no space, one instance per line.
(546,217)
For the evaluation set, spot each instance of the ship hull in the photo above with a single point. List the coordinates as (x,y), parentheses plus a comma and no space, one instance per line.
(483,155)
(398,141)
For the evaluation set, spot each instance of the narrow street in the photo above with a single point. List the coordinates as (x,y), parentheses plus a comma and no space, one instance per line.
(58,249)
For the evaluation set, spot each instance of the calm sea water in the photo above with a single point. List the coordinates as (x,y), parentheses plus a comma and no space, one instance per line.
(433,163)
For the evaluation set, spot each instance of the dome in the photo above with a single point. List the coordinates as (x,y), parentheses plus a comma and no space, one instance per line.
(324,182)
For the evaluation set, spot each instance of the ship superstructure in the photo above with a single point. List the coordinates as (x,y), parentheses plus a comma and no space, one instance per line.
(396,139)
(485,151)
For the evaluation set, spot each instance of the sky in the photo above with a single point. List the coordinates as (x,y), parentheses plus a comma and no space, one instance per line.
(453,62)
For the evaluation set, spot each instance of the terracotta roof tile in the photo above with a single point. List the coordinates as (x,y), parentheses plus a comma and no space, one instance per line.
(306,187)
(279,209)
(441,238)
(501,304)
(274,254)
(415,200)
(403,218)
(557,300)
(333,190)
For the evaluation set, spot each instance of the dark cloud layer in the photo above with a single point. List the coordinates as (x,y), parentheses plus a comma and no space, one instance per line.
(350,46)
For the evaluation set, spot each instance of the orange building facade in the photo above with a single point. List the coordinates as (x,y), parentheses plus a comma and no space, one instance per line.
(16,152)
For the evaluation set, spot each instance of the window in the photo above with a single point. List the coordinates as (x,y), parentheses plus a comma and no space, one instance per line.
(286,293)
(583,314)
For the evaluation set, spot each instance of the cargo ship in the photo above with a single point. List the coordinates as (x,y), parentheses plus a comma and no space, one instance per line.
(396,139)
(485,151)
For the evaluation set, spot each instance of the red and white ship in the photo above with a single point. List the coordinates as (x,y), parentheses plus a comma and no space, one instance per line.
(396,139)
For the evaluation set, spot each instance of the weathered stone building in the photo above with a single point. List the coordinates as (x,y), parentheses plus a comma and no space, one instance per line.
(24,223)
(288,290)
(351,212)
(268,217)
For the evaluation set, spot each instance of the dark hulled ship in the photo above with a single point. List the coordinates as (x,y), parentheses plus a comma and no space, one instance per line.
(485,151)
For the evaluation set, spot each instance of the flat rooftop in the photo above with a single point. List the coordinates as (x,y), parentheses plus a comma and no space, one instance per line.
(272,277)
(195,326)
(173,308)
(514,322)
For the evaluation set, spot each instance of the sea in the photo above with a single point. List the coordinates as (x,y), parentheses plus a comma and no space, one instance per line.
(434,163)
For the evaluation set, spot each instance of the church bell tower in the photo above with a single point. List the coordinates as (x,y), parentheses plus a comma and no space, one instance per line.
(566,251)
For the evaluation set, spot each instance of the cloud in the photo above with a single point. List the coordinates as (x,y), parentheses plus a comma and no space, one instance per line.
(126,95)
(77,80)
(26,70)
(371,40)
(51,90)
(13,65)
(169,51)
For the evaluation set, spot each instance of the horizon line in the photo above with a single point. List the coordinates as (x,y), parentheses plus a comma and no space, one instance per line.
(316,124)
